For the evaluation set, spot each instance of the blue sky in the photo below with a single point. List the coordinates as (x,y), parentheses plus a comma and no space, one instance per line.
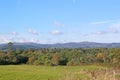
(59,21)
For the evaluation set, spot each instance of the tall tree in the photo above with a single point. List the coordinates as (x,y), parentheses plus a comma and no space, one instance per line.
(10,44)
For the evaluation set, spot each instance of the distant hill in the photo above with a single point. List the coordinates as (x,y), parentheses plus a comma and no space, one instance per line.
(62,45)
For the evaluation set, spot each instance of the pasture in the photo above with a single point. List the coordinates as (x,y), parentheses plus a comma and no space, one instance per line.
(32,72)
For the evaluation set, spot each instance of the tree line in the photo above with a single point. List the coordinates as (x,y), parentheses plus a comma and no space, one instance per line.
(60,56)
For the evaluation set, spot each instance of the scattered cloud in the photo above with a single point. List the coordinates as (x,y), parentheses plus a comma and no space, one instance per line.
(20,39)
(58,24)
(34,40)
(113,31)
(52,41)
(101,32)
(115,25)
(63,41)
(5,39)
(56,32)
(33,32)
(114,28)
(13,33)
(100,22)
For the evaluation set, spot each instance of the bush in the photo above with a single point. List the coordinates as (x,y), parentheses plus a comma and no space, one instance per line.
(48,63)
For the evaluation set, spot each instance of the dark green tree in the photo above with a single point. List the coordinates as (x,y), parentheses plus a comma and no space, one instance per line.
(9,50)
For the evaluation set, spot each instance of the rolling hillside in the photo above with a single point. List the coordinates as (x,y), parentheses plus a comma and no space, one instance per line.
(62,45)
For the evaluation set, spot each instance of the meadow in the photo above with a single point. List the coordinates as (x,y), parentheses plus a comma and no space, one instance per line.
(32,72)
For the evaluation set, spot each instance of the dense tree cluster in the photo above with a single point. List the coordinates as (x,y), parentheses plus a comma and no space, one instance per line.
(58,56)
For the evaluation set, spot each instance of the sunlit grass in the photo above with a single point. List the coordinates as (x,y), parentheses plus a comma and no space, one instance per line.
(30,72)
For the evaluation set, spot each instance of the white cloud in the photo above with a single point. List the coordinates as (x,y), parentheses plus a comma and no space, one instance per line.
(24,40)
(101,32)
(5,39)
(14,33)
(34,40)
(21,39)
(58,24)
(56,32)
(53,41)
(33,32)
(114,31)
(63,41)
(100,22)
(115,26)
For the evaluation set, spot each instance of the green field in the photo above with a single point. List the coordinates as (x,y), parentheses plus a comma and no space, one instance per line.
(30,72)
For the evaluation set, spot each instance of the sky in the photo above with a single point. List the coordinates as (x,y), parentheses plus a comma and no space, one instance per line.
(59,21)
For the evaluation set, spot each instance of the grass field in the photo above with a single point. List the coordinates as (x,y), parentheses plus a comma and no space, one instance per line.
(30,72)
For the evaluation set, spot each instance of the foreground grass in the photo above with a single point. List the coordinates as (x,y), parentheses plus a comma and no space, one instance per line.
(28,72)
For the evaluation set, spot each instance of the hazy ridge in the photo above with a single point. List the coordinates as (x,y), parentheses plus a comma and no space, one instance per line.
(62,45)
